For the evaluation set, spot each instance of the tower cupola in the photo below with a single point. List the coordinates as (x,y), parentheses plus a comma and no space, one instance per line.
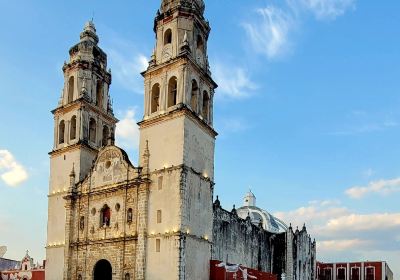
(249,199)
(89,33)
(169,5)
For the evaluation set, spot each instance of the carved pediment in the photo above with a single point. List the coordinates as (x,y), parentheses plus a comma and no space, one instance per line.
(112,167)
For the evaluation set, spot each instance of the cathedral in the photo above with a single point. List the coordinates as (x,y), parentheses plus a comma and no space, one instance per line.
(109,219)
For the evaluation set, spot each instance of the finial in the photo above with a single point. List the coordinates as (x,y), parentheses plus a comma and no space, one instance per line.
(146,159)
(234,212)
(72,174)
(217,203)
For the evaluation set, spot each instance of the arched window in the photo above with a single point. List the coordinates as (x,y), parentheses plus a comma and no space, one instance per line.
(168,37)
(92,130)
(70,89)
(106,135)
(172,91)
(200,50)
(127,276)
(206,106)
(99,94)
(61,132)
(105,216)
(155,98)
(72,133)
(129,216)
(194,97)
(341,273)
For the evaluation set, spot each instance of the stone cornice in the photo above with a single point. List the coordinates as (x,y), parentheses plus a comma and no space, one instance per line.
(81,103)
(109,188)
(179,111)
(181,59)
(104,241)
(79,145)
(179,234)
(183,168)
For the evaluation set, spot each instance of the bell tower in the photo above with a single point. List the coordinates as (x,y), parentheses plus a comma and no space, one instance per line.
(83,123)
(178,128)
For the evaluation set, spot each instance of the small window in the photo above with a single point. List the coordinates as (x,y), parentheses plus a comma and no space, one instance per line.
(71,84)
(206,106)
(341,273)
(155,98)
(92,130)
(194,98)
(99,94)
(370,273)
(129,216)
(168,37)
(328,274)
(355,273)
(127,276)
(106,135)
(73,128)
(26,267)
(61,132)
(160,183)
(105,216)
(172,91)
(79,277)
(200,43)
(159,217)
(158,245)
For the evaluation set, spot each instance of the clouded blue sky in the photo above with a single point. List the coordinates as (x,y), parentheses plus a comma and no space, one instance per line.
(307,111)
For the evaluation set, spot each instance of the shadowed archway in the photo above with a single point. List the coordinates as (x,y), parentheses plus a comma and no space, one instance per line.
(102,270)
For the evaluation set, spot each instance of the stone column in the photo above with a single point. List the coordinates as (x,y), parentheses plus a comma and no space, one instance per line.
(69,208)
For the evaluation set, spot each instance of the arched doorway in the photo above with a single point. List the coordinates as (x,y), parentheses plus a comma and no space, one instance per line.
(102,270)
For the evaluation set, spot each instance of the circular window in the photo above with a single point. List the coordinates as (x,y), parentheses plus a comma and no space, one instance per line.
(108,164)
(117,207)
(93,211)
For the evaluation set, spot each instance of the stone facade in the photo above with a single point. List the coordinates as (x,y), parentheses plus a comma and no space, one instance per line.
(111,220)
(105,218)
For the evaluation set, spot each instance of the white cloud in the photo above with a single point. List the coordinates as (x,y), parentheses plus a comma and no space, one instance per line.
(328,9)
(269,34)
(382,187)
(127,131)
(126,69)
(314,214)
(359,223)
(11,172)
(233,82)
(341,245)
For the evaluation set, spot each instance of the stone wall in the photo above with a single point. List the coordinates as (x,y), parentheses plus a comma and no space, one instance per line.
(239,241)
(301,255)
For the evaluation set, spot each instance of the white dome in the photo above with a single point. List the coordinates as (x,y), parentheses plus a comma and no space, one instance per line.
(259,216)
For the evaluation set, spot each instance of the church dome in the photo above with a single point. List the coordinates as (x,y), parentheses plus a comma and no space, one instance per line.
(259,216)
